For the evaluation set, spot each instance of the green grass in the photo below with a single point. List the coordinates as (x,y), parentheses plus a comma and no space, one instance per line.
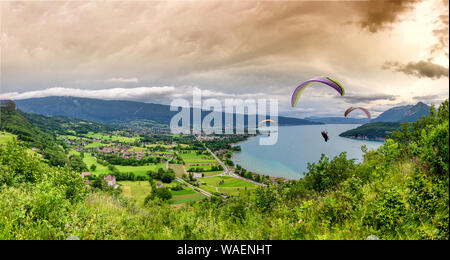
(74,152)
(185,191)
(192,157)
(96,144)
(204,166)
(228,182)
(137,190)
(178,169)
(112,138)
(137,149)
(140,170)
(187,198)
(6,137)
(137,170)
(212,173)
(231,186)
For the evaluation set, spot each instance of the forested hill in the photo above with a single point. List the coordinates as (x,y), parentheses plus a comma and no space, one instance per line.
(388,121)
(372,131)
(38,131)
(115,111)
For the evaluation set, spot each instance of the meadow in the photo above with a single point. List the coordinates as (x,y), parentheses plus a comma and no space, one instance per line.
(139,190)
(189,156)
(137,170)
(112,138)
(225,184)
(6,137)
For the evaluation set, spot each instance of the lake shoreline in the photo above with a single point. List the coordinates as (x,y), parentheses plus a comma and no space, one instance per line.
(295,148)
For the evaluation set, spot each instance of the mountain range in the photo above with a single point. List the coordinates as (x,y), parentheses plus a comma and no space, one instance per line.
(409,113)
(116,111)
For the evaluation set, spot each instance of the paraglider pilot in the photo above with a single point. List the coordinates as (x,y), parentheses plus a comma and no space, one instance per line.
(325,135)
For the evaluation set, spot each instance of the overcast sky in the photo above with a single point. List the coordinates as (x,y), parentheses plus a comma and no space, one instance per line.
(383,53)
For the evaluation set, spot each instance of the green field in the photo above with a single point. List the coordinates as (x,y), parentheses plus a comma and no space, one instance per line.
(192,157)
(96,144)
(6,137)
(112,138)
(207,167)
(228,182)
(212,173)
(231,186)
(139,190)
(137,170)
(140,170)
(178,169)
(137,149)
(187,198)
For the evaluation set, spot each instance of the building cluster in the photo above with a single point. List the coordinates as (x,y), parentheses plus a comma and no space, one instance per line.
(110,180)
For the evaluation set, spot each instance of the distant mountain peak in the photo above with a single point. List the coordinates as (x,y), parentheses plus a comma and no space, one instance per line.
(408,113)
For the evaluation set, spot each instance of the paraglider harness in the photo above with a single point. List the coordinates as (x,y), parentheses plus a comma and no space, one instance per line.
(325,135)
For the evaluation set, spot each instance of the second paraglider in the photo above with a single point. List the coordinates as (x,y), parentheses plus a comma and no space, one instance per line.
(350,109)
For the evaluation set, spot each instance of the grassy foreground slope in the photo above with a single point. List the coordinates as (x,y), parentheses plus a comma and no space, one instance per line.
(400,191)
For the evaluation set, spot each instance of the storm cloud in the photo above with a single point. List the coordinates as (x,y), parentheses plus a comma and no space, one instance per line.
(420,69)
(132,49)
(352,98)
(380,15)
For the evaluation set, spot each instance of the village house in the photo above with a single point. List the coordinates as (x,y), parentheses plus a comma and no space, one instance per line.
(84,174)
(159,185)
(197,175)
(111,181)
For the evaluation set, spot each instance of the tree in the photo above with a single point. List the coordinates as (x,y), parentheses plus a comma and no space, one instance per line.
(161,193)
(167,177)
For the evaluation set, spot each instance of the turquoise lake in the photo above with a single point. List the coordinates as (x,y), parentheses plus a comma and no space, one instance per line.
(296,146)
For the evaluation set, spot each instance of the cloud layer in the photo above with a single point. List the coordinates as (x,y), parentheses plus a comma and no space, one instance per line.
(111,49)
(419,69)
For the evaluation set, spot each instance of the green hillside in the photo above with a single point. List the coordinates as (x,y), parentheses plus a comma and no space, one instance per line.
(400,191)
(379,130)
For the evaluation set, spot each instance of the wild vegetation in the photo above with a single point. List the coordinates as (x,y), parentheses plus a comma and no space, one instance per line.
(400,191)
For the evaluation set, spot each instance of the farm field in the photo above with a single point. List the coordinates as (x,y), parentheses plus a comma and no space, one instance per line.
(193,157)
(187,198)
(137,170)
(139,190)
(6,137)
(212,173)
(96,144)
(231,186)
(140,170)
(178,169)
(112,138)
(227,182)
(207,167)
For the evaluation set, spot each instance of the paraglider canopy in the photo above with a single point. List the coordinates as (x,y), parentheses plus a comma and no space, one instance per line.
(325,135)
(350,109)
(266,120)
(324,80)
